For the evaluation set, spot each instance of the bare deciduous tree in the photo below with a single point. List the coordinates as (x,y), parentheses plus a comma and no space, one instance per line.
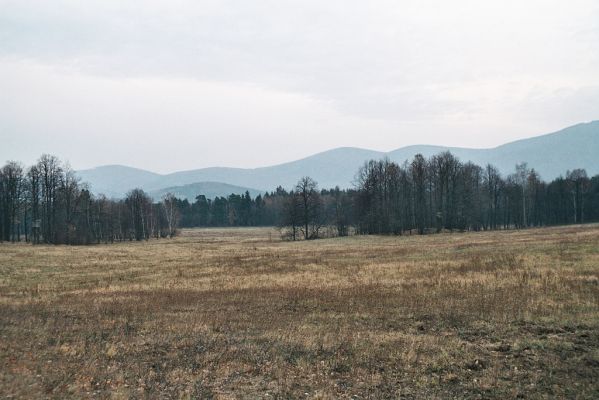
(578,182)
(521,177)
(310,207)
(169,205)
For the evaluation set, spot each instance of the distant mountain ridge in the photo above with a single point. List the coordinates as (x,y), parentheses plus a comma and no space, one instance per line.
(551,155)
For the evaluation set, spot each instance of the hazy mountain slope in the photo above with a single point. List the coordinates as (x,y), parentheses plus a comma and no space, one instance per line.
(408,153)
(330,168)
(208,189)
(551,155)
(115,180)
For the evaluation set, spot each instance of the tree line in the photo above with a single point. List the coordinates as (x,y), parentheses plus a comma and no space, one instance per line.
(46,203)
(421,196)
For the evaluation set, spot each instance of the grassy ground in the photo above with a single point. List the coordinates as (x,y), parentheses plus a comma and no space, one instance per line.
(240,314)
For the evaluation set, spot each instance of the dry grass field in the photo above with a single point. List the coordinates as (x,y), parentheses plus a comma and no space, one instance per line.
(240,314)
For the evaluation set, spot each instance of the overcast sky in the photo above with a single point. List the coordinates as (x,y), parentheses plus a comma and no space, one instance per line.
(172,85)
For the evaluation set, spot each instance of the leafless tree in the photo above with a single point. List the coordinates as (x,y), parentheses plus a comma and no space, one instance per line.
(33,176)
(418,171)
(13,185)
(492,184)
(578,183)
(290,218)
(169,205)
(310,207)
(139,204)
(50,170)
(521,176)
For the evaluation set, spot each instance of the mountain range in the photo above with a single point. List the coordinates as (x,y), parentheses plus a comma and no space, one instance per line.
(551,155)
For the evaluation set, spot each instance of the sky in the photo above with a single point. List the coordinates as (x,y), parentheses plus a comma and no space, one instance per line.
(174,85)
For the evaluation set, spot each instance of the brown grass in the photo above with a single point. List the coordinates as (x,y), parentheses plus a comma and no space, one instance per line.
(236,313)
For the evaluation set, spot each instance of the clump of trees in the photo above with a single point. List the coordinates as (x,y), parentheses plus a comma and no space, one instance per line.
(443,193)
(303,213)
(46,203)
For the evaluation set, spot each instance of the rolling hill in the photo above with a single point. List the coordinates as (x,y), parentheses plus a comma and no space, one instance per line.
(208,189)
(551,155)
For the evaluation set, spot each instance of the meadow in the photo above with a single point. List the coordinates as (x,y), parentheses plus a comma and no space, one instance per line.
(239,313)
